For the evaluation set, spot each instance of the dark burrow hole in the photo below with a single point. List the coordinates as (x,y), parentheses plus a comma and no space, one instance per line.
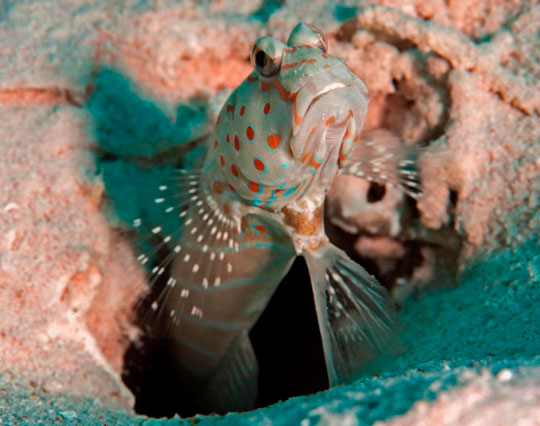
(286,341)
(376,192)
(453,197)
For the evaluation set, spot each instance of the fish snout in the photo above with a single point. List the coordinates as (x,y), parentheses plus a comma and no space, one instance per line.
(322,111)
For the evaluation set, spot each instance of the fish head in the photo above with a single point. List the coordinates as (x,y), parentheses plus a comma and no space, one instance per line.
(282,131)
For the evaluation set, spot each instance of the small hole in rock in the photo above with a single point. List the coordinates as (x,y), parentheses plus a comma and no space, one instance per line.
(453,196)
(286,341)
(376,192)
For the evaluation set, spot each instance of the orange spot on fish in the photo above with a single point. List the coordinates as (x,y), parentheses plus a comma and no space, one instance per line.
(250,133)
(324,55)
(229,108)
(221,160)
(264,86)
(259,165)
(326,67)
(217,187)
(329,120)
(226,208)
(289,66)
(266,108)
(215,144)
(291,50)
(346,135)
(236,143)
(251,78)
(254,187)
(260,228)
(283,93)
(308,61)
(342,157)
(274,141)
(297,119)
(314,162)
(228,138)
(234,170)
(242,109)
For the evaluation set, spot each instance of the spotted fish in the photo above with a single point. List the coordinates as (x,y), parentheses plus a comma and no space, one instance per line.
(255,204)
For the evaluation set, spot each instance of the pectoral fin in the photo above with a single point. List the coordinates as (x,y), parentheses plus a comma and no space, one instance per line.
(354,311)
(382,157)
(233,386)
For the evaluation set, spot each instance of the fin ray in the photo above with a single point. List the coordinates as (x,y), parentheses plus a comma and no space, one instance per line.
(354,311)
(193,239)
(380,156)
(233,386)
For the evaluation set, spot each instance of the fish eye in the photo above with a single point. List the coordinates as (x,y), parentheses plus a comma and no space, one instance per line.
(266,58)
(322,41)
(308,34)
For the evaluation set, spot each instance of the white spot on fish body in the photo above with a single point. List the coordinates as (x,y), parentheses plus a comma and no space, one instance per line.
(196,311)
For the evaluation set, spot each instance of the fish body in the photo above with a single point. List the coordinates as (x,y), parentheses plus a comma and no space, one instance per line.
(255,204)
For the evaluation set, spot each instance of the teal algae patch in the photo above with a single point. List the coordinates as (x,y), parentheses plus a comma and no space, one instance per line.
(138,148)
(492,318)
(127,125)
(487,323)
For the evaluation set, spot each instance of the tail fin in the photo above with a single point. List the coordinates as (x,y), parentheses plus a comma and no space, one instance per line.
(355,313)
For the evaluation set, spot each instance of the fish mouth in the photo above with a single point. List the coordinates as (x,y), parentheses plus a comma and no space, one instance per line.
(326,116)
(321,85)
(323,92)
